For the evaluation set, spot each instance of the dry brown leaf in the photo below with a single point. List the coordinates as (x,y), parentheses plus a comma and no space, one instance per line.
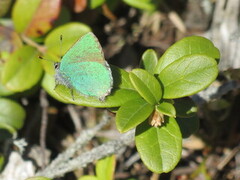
(44,17)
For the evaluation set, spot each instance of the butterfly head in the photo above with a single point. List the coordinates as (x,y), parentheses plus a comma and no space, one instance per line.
(56,65)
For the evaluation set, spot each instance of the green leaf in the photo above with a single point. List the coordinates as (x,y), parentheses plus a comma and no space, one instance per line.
(23,12)
(149,61)
(188,75)
(142,4)
(121,78)
(132,113)
(5,130)
(23,70)
(146,85)
(159,147)
(95,3)
(4,91)
(48,83)
(43,18)
(88,178)
(70,32)
(188,126)
(185,47)
(13,120)
(4,6)
(38,178)
(166,108)
(185,107)
(1,162)
(121,93)
(105,168)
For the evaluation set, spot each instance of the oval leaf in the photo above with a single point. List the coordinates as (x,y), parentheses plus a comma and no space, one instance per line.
(105,168)
(14,120)
(187,46)
(23,70)
(121,93)
(166,108)
(159,147)
(88,177)
(146,85)
(43,17)
(188,75)
(95,3)
(6,131)
(132,113)
(149,61)
(48,83)
(23,12)
(141,4)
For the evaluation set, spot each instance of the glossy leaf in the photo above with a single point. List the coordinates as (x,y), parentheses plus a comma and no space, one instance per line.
(132,113)
(159,147)
(43,18)
(141,4)
(48,83)
(70,32)
(188,126)
(185,47)
(22,13)
(105,168)
(13,120)
(4,91)
(166,108)
(88,178)
(121,93)
(146,85)
(23,70)
(5,130)
(95,3)
(149,61)
(188,75)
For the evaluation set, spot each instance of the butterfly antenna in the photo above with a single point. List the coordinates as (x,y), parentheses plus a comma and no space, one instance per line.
(61,42)
(40,57)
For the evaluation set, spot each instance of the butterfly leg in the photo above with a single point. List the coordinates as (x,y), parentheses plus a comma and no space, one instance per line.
(56,85)
(72,94)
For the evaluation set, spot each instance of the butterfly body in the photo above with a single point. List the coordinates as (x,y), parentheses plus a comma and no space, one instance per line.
(84,68)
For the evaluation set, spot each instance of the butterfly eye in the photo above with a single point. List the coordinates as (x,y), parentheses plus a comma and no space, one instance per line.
(56,65)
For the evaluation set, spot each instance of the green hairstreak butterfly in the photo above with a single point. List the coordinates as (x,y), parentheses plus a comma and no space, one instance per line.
(84,68)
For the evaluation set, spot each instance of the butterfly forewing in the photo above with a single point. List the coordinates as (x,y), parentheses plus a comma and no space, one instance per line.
(86,69)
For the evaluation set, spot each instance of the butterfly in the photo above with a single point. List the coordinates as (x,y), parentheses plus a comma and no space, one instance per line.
(85,69)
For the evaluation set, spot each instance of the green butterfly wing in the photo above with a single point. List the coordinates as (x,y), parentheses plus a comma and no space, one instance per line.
(84,68)
(87,49)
